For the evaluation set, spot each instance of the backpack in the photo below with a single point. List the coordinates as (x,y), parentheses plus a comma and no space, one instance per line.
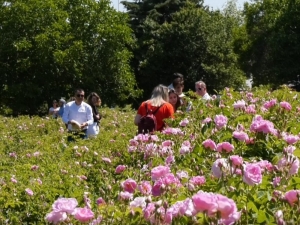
(148,122)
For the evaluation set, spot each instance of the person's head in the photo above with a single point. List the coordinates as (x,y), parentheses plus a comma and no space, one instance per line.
(200,88)
(94,99)
(178,85)
(159,95)
(79,96)
(61,102)
(54,103)
(174,99)
(178,75)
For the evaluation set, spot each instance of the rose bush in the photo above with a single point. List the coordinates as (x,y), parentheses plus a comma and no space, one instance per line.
(233,160)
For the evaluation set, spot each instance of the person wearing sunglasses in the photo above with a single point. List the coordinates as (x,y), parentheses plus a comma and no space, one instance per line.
(78,115)
(200,87)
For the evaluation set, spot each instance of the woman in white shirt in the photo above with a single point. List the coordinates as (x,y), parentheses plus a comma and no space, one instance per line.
(54,109)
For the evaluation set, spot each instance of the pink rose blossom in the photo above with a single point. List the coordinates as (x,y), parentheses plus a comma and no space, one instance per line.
(197,180)
(13,180)
(240,104)
(129,185)
(289,149)
(105,159)
(269,104)
(149,211)
(236,160)
(145,188)
(276,181)
(261,125)
(167,143)
(210,144)
(159,171)
(252,174)
(83,215)
(292,196)
(240,135)
(220,121)
(285,105)
(182,174)
(291,139)
(100,201)
(138,202)
(220,168)
(250,109)
(125,195)
(34,167)
(207,120)
(184,122)
(65,205)
(225,146)
(169,160)
(29,191)
(56,217)
(120,169)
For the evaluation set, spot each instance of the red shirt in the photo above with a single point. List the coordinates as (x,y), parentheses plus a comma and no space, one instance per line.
(165,111)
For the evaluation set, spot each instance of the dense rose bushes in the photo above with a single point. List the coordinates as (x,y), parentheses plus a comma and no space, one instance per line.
(233,160)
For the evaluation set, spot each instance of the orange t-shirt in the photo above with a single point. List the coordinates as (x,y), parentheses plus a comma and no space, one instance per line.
(165,111)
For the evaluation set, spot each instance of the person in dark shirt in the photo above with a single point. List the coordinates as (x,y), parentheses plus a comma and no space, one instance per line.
(94,101)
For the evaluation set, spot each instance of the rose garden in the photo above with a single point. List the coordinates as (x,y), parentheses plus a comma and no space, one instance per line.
(233,160)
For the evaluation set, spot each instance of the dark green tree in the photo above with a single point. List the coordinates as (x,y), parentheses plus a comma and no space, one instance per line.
(269,43)
(48,48)
(199,44)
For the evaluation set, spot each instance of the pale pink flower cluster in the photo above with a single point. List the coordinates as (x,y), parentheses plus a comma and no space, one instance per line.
(261,125)
(185,148)
(174,131)
(129,185)
(220,121)
(289,163)
(269,104)
(120,169)
(216,204)
(64,206)
(206,120)
(240,104)
(196,181)
(250,109)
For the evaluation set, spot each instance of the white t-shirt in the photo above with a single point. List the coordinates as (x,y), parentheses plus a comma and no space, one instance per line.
(80,113)
(54,115)
(206,97)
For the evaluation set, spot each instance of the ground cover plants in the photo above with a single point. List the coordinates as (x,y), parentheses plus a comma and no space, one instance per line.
(233,160)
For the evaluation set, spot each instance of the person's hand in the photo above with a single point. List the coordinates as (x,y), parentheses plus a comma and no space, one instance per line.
(83,125)
(98,116)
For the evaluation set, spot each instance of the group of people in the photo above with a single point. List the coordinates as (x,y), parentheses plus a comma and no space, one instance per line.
(165,101)
(81,119)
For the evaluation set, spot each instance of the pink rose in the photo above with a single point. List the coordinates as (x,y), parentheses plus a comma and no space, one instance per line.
(184,122)
(250,109)
(145,188)
(276,181)
(83,214)
(220,121)
(100,201)
(240,135)
(289,149)
(204,201)
(56,217)
(125,195)
(120,169)
(65,205)
(292,196)
(291,139)
(240,104)
(149,210)
(225,146)
(236,160)
(220,167)
(252,174)
(285,105)
(29,191)
(197,180)
(159,171)
(210,144)
(105,159)
(129,185)
(269,104)
(138,202)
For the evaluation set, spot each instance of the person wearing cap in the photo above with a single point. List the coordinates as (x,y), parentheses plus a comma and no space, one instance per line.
(62,104)
(54,109)
(201,90)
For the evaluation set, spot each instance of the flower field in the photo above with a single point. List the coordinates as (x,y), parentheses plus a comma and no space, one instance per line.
(233,160)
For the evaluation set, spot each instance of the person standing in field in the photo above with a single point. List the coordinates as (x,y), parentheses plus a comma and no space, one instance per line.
(201,90)
(174,99)
(158,105)
(62,105)
(78,115)
(94,101)
(53,111)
